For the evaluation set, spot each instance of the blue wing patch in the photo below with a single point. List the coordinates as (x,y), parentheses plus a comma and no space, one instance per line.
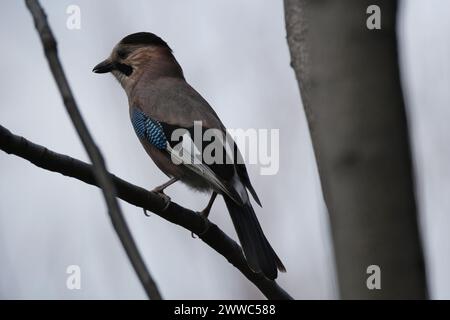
(148,129)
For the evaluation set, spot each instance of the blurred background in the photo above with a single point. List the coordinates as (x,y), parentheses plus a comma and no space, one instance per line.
(235,54)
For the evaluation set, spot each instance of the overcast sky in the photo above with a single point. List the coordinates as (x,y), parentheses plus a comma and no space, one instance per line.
(235,54)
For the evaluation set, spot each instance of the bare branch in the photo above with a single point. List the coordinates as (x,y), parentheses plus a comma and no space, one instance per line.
(188,219)
(99,168)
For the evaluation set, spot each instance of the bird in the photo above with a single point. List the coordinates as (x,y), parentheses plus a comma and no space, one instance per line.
(161,101)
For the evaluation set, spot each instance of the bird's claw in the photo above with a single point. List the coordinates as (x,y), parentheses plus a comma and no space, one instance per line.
(166,199)
(205,218)
(145,212)
(160,191)
(204,213)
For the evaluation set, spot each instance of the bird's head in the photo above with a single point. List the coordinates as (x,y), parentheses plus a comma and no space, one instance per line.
(138,54)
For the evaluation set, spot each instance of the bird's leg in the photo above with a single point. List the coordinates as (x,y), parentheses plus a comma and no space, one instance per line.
(205,212)
(160,189)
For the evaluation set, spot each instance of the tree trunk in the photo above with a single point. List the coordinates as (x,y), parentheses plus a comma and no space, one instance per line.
(350,86)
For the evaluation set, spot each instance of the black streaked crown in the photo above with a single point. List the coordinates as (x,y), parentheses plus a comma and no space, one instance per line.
(144,38)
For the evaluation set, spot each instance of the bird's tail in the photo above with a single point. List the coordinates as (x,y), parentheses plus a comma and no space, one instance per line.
(259,253)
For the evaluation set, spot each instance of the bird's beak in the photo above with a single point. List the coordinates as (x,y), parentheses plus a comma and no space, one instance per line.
(104,67)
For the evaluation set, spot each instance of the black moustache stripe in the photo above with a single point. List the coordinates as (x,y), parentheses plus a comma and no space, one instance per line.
(124,68)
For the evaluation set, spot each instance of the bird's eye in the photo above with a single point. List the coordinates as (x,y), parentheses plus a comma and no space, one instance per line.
(122,54)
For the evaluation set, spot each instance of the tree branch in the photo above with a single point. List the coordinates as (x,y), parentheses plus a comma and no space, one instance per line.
(99,168)
(188,219)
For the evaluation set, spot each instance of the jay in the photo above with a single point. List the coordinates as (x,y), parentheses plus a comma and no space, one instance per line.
(160,102)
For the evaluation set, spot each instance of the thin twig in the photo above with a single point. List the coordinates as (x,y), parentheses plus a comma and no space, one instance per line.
(188,219)
(99,167)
